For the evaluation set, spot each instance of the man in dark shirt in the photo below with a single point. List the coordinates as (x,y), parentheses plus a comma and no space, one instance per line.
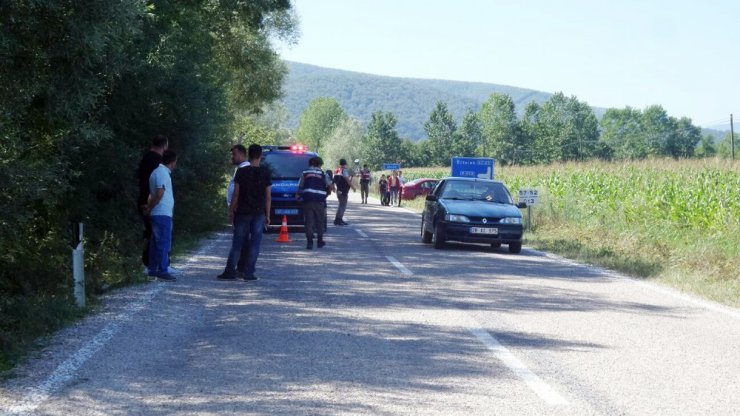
(248,214)
(148,163)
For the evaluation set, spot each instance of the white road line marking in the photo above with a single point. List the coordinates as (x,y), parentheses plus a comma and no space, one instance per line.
(399,266)
(542,389)
(68,369)
(361,233)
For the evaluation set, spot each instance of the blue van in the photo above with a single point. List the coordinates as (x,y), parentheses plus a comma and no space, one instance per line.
(286,165)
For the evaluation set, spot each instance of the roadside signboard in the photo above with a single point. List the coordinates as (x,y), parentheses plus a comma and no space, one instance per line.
(472,167)
(391,166)
(530,196)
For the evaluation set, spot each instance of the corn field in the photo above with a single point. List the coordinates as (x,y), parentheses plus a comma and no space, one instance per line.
(693,196)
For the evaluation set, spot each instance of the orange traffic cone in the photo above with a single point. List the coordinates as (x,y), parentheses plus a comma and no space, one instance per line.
(283,237)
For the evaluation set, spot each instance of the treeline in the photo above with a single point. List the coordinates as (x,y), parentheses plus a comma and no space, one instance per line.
(84,86)
(560,129)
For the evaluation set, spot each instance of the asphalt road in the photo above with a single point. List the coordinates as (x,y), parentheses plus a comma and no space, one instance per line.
(378,323)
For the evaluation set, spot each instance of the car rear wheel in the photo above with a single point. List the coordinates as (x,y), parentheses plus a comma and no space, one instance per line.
(438,238)
(426,236)
(515,248)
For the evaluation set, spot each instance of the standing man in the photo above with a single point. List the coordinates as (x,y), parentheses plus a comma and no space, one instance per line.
(312,187)
(238,158)
(365,178)
(343,182)
(151,160)
(160,209)
(394,183)
(249,213)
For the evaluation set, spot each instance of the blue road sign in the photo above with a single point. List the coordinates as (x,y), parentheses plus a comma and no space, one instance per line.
(472,167)
(391,166)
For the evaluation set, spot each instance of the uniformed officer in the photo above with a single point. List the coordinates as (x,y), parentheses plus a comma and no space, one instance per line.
(365,178)
(312,188)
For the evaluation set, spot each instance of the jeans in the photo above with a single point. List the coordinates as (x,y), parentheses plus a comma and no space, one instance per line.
(159,245)
(395,196)
(247,232)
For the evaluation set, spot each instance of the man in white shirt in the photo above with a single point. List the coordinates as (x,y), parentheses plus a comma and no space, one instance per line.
(238,158)
(160,207)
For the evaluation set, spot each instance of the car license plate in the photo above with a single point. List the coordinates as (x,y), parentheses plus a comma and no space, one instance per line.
(483,230)
(286,211)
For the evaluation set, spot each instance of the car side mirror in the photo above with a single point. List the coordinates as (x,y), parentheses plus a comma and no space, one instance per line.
(431,197)
(521,205)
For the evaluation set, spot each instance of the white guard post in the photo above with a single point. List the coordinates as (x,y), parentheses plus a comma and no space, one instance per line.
(78,269)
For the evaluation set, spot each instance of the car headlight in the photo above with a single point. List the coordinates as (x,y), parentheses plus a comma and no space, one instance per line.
(511,220)
(456,218)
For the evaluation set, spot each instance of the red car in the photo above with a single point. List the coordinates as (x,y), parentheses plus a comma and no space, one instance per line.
(418,187)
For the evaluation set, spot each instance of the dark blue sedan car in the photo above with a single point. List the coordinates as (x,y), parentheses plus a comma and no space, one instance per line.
(472,211)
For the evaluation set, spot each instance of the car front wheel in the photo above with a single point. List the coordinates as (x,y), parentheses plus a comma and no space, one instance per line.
(426,236)
(515,248)
(439,236)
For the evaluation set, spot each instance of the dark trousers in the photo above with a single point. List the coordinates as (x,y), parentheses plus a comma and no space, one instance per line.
(314,214)
(364,190)
(342,198)
(247,232)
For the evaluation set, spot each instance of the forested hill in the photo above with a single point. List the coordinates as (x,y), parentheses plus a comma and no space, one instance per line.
(410,100)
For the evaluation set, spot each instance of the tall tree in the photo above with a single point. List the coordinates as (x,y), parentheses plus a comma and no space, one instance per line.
(500,127)
(440,129)
(686,138)
(529,126)
(659,130)
(621,131)
(381,143)
(344,142)
(568,130)
(317,122)
(468,136)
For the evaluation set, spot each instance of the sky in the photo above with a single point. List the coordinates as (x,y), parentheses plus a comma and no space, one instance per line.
(682,55)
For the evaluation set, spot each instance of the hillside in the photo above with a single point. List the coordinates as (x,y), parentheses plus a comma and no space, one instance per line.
(410,100)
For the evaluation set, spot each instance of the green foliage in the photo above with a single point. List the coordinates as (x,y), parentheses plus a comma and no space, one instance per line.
(83,88)
(468,136)
(321,117)
(381,143)
(500,128)
(440,129)
(344,142)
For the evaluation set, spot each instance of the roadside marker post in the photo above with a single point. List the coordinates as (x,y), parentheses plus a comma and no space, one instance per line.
(78,266)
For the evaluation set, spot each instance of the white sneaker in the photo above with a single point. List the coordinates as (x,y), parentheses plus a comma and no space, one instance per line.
(175,272)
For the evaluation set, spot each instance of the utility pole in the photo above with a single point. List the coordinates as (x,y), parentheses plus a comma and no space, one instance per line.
(732,137)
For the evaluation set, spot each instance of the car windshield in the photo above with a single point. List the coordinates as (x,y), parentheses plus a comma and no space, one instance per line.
(285,165)
(477,191)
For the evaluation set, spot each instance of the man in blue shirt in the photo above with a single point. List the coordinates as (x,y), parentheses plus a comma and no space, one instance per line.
(160,208)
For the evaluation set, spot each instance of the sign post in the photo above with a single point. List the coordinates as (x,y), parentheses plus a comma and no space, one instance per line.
(472,167)
(530,197)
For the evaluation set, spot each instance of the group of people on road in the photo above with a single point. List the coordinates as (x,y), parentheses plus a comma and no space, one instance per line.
(390,188)
(248,198)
